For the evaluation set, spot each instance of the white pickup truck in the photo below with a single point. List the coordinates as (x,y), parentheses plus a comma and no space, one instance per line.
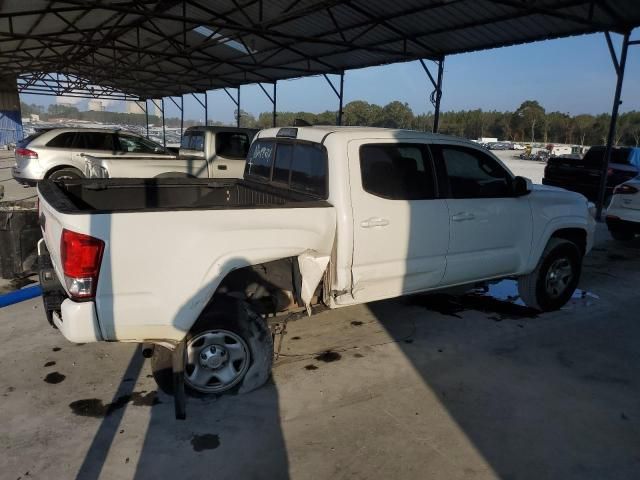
(205,152)
(324,215)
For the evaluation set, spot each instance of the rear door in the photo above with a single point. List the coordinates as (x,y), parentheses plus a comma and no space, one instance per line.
(400,226)
(490,228)
(231,149)
(100,144)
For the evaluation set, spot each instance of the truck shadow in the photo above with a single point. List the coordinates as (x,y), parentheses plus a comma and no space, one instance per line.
(229,437)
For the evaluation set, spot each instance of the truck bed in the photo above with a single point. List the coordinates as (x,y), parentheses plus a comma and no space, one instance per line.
(133,195)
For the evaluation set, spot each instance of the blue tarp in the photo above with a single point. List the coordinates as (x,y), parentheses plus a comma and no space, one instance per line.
(10,126)
(20,295)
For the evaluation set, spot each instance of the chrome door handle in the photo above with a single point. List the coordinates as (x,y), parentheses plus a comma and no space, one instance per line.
(374,222)
(463,216)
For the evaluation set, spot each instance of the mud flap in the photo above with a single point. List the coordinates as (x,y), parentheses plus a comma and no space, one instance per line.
(312,269)
(179,395)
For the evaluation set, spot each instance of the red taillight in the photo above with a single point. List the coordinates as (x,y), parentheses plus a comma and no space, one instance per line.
(624,190)
(25,152)
(81,257)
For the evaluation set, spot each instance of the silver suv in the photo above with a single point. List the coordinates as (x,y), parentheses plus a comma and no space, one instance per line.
(58,153)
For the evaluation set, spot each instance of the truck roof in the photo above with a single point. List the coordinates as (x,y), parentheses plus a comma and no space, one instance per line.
(318,133)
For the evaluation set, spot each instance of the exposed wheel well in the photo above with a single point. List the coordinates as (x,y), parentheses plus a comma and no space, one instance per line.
(575,235)
(62,167)
(270,287)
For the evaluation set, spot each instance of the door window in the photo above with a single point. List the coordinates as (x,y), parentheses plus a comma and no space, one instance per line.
(132,144)
(64,140)
(397,171)
(232,145)
(474,174)
(94,141)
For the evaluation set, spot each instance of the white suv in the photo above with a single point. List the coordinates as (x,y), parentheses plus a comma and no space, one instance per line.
(623,214)
(58,153)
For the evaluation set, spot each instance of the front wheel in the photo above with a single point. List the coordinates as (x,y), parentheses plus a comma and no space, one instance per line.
(556,277)
(228,350)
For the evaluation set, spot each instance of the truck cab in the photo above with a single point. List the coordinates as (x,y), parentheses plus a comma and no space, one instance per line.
(224,149)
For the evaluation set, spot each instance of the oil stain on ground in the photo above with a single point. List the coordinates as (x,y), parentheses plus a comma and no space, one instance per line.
(56,349)
(311,366)
(328,356)
(357,323)
(50,364)
(94,407)
(54,378)
(208,441)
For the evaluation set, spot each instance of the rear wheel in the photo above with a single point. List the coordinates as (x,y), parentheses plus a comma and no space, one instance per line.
(556,277)
(229,350)
(66,174)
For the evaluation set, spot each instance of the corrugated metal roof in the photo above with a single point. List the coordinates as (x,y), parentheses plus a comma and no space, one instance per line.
(170,47)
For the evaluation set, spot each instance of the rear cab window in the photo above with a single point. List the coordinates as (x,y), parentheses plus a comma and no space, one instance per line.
(233,145)
(296,165)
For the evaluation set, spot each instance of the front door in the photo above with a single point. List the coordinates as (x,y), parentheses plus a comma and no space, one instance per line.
(490,228)
(400,226)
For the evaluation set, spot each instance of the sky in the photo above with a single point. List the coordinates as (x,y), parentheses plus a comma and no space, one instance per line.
(572,75)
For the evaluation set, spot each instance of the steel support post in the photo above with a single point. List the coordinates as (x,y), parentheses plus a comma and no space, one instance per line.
(339,93)
(239,111)
(206,108)
(164,131)
(146,115)
(619,66)
(272,99)
(181,117)
(275,99)
(436,94)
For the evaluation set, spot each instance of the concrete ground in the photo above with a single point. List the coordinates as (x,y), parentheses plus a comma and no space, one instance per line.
(437,388)
(12,189)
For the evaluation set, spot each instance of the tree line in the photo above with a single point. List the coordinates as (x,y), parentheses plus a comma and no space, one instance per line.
(528,123)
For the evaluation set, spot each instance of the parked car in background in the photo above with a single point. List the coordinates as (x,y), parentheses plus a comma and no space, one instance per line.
(331,216)
(499,146)
(518,146)
(59,152)
(583,175)
(623,213)
(205,152)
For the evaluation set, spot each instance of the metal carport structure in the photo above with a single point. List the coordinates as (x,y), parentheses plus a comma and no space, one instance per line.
(146,49)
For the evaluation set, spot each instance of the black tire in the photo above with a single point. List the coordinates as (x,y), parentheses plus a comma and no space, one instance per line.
(621,235)
(66,173)
(230,314)
(533,288)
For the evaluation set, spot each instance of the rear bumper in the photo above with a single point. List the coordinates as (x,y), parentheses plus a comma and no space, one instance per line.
(78,322)
(23,177)
(588,190)
(618,224)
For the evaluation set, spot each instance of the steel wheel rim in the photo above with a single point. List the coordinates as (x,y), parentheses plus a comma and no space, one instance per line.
(559,277)
(216,360)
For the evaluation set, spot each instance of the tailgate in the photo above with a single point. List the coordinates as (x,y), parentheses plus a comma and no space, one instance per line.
(53,222)
(572,172)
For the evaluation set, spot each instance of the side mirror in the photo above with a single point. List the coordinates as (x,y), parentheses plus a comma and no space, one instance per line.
(522,186)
